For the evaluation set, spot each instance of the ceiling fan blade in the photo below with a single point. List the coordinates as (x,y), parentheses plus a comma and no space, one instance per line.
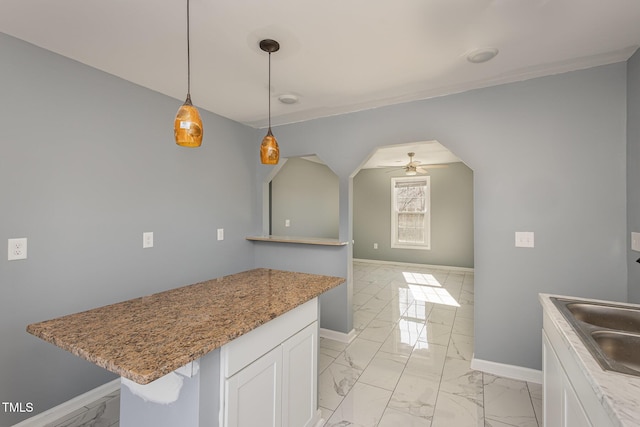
(435,166)
(420,169)
(391,170)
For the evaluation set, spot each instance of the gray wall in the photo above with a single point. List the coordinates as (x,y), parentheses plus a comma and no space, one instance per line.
(306,193)
(548,155)
(451,217)
(633,171)
(89,163)
(335,305)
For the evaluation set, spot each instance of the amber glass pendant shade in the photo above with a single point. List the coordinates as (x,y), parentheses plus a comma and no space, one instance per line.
(187,127)
(269,150)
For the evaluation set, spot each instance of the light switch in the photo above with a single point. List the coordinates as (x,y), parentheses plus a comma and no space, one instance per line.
(220,233)
(524,239)
(635,242)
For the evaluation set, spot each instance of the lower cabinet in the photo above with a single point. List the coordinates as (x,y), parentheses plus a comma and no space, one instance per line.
(561,405)
(569,399)
(552,384)
(273,389)
(254,395)
(300,378)
(574,415)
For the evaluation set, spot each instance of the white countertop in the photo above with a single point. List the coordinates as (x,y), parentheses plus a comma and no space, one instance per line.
(618,393)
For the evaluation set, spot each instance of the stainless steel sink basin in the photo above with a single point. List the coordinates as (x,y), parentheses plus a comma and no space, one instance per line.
(619,346)
(606,316)
(611,332)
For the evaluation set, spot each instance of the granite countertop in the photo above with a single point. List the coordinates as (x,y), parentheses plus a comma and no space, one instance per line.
(146,338)
(618,393)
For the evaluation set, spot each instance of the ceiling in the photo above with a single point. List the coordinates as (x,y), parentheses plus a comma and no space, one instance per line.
(427,153)
(336,56)
(397,156)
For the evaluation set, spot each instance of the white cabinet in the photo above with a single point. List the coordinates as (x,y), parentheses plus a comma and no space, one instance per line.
(254,395)
(269,375)
(299,378)
(562,408)
(552,383)
(574,415)
(569,400)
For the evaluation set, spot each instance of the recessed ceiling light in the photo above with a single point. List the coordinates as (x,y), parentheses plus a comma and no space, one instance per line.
(288,98)
(479,56)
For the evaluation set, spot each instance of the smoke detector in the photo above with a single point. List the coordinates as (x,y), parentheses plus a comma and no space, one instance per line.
(479,56)
(288,98)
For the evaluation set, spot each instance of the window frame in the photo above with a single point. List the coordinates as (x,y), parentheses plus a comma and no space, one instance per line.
(395,244)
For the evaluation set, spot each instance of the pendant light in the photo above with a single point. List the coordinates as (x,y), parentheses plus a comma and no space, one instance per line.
(187,127)
(269,151)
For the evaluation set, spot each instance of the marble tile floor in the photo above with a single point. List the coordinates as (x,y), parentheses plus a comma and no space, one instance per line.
(409,365)
(104,412)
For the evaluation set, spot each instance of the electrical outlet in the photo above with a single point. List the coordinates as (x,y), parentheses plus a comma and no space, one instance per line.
(287,223)
(147,239)
(375,246)
(220,233)
(17,249)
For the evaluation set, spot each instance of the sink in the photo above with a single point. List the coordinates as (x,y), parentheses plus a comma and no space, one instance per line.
(606,316)
(610,332)
(620,347)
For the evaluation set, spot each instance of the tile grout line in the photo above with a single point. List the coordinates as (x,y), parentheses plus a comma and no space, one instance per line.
(374,355)
(535,414)
(435,404)
(378,351)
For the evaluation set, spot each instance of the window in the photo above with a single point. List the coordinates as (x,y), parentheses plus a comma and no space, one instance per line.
(410,213)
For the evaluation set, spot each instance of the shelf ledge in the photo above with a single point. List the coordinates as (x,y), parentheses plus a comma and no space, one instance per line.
(301,240)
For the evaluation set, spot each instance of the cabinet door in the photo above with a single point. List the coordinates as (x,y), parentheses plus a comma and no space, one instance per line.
(574,415)
(300,373)
(562,408)
(552,384)
(254,395)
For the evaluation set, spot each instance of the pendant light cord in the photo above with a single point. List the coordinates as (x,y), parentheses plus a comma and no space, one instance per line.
(269,92)
(188,56)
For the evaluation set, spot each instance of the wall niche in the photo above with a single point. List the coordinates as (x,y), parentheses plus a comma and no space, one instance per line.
(304,199)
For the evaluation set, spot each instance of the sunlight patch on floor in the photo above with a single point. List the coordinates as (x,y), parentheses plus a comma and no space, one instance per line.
(420,279)
(433,295)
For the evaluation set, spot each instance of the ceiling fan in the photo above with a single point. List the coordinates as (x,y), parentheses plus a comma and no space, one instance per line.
(414,167)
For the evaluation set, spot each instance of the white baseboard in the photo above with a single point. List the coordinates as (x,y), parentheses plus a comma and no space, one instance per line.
(338,336)
(508,371)
(410,264)
(70,406)
(318,421)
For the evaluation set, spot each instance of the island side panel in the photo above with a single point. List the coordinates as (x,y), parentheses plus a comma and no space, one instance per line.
(197,405)
(210,389)
(135,411)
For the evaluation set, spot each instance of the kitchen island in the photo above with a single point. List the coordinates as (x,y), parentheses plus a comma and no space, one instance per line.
(181,352)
